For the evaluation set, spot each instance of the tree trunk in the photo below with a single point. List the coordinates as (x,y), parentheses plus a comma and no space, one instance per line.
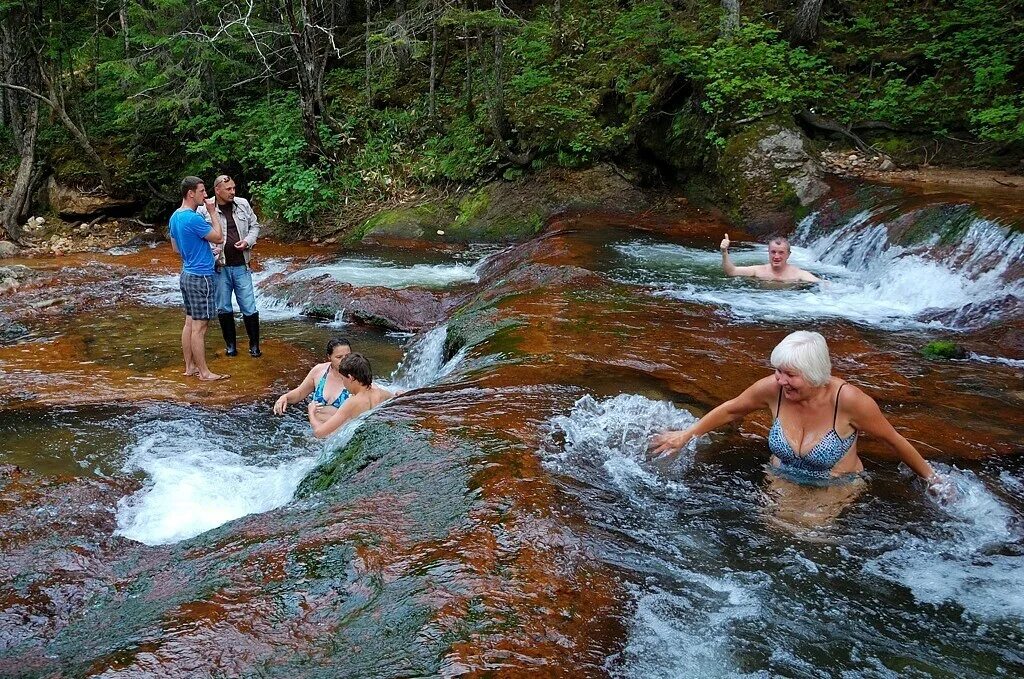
(304,69)
(369,87)
(498,115)
(730,17)
(469,73)
(123,17)
(805,27)
(56,102)
(15,210)
(557,13)
(433,61)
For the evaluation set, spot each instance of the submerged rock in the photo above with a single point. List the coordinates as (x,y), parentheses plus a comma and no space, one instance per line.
(407,309)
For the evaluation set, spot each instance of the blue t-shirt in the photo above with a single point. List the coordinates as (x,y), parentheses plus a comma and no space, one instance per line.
(188,230)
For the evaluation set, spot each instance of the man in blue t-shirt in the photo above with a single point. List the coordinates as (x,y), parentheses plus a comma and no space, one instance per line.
(191,236)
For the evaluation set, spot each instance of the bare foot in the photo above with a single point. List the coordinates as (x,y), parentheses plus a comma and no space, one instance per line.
(189,372)
(213,377)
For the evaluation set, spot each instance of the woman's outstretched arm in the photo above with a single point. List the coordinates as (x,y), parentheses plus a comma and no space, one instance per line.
(756,396)
(867,417)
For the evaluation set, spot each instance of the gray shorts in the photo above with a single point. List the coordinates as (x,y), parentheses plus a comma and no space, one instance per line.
(199,295)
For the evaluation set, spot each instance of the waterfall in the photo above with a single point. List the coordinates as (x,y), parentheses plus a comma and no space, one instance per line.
(424,362)
(967,275)
(968,283)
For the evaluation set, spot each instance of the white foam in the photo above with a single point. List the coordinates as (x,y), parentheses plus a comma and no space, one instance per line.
(1012,362)
(160,290)
(687,635)
(196,481)
(615,433)
(960,562)
(373,272)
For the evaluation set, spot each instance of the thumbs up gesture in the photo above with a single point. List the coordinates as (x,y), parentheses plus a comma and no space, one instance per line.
(725,243)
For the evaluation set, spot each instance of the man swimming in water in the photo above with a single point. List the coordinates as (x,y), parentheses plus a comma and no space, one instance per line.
(778,267)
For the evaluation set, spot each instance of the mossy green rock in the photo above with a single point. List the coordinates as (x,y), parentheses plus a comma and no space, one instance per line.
(414,223)
(945,349)
(518,210)
(940,224)
(507,211)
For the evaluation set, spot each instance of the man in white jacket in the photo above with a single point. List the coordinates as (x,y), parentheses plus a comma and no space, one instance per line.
(241,228)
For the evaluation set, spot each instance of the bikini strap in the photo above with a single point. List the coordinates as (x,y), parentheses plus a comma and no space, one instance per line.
(778,406)
(835,413)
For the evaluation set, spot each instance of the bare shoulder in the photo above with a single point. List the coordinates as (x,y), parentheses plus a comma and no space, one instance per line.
(854,398)
(317,370)
(808,277)
(765,389)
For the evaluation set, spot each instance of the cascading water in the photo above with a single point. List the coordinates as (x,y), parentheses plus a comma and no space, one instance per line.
(198,478)
(362,272)
(969,283)
(871,280)
(424,362)
(163,290)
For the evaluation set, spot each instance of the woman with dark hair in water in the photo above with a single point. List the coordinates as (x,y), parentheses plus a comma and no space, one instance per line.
(357,377)
(323,382)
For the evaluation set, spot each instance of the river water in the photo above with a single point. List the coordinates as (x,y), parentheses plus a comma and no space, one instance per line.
(500,517)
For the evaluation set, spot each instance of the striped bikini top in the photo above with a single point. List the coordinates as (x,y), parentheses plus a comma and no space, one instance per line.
(318,394)
(819,460)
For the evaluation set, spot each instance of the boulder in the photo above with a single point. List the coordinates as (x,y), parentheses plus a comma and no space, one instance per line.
(7,249)
(16,272)
(507,211)
(769,174)
(147,237)
(407,310)
(72,204)
(421,222)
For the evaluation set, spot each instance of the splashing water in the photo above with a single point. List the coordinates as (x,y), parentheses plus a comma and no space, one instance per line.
(871,281)
(198,479)
(616,433)
(962,564)
(673,636)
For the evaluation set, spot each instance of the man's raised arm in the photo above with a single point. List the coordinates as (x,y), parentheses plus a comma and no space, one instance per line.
(728,267)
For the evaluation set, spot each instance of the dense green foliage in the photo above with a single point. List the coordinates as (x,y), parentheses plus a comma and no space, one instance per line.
(168,87)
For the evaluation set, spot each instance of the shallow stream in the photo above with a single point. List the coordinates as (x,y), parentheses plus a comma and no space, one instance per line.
(501,515)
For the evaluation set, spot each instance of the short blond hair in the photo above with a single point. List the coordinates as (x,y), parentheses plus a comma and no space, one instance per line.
(807,353)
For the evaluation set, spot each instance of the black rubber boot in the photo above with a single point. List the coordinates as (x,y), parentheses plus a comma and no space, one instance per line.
(252,329)
(227,326)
